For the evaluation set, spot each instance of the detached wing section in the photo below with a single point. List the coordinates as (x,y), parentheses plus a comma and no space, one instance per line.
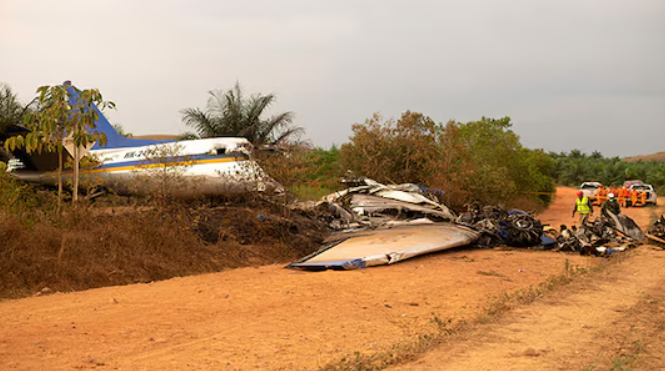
(385,246)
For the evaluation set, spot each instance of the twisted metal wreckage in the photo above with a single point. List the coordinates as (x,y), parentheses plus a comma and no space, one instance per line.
(377,224)
(656,233)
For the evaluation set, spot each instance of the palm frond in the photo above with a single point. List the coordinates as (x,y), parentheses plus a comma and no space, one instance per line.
(229,113)
(203,123)
(290,135)
(274,124)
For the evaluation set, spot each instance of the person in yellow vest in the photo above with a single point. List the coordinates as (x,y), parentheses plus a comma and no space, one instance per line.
(643,198)
(582,207)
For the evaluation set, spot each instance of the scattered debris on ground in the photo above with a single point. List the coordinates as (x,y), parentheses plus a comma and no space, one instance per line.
(500,227)
(379,224)
(367,204)
(656,233)
(605,235)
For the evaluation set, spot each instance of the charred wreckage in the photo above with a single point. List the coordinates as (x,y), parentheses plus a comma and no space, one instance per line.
(377,224)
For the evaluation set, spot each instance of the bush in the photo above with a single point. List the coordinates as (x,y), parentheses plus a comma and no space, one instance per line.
(24,202)
(476,161)
(307,173)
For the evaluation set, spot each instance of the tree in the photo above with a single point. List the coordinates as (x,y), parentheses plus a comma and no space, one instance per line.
(11,110)
(394,151)
(231,114)
(66,118)
(476,161)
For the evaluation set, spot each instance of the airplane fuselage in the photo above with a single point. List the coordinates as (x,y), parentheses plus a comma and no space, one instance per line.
(184,168)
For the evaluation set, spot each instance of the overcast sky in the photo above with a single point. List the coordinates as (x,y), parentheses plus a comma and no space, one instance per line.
(587,74)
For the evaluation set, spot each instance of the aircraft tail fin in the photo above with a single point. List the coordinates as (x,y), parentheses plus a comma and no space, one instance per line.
(113,139)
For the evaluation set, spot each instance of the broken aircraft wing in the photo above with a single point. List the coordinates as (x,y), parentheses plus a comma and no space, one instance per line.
(385,246)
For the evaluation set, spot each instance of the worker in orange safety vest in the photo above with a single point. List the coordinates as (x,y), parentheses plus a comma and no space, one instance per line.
(623,195)
(599,196)
(633,197)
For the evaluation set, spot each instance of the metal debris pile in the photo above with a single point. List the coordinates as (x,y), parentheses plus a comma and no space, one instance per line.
(657,232)
(368,204)
(379,224)
(603,236)
(498,226)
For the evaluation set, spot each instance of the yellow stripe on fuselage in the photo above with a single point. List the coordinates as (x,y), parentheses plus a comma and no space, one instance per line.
(153,165)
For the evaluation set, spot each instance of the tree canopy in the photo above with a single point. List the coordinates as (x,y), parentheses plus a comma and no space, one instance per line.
(575,167)
(475,161)
(230,113)
(66,117)
(11,110)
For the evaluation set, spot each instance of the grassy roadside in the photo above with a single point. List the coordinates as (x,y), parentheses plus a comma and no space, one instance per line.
(86,248)
(443,329)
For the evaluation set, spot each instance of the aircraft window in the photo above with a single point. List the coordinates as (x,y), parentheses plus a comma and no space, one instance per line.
(221,151)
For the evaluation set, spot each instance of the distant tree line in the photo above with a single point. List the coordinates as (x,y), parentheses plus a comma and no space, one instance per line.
(574,167)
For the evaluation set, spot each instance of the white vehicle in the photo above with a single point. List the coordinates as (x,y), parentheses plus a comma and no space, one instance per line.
(204,166)
(590,189)
(652,197)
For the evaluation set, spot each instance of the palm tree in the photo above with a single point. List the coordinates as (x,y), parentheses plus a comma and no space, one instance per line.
(11,110)
(11,113)
(231,114)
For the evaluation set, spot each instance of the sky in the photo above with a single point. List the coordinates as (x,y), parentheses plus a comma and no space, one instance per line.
(585,74)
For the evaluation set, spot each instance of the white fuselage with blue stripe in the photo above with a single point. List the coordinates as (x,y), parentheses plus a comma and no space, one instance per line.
(127,166)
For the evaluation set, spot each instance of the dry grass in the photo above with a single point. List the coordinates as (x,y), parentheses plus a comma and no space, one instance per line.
(81,250)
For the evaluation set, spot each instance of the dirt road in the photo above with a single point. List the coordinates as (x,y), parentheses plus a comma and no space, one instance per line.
(561,209)
(615,319)
(266,318)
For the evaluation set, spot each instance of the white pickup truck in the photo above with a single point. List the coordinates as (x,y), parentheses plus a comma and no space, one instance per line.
(652,197)
(590,189)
